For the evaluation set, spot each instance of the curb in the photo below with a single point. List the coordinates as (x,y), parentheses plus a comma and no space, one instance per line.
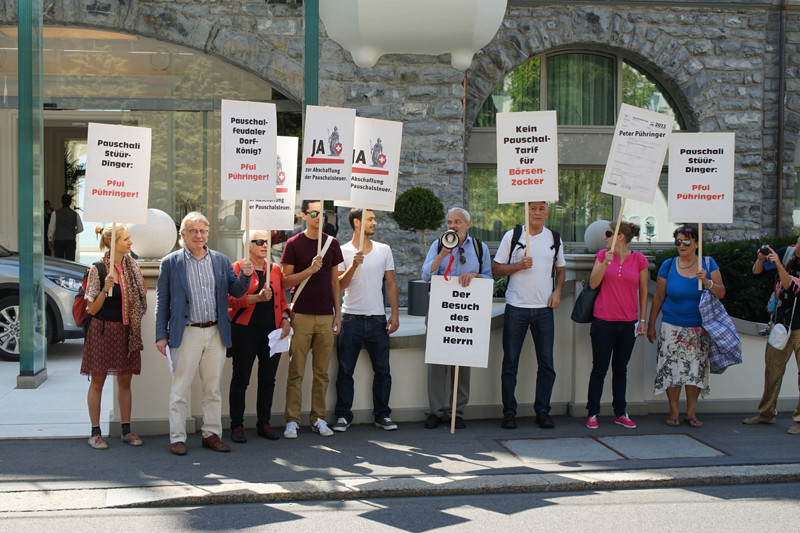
(376,487)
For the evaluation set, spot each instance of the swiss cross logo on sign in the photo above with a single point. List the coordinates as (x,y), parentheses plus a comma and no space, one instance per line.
(381,160)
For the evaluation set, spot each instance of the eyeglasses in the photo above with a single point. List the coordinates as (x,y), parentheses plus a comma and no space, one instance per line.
(684,242)
(461,258)
(315,214)
(609,234)
(196,231)
(259,242)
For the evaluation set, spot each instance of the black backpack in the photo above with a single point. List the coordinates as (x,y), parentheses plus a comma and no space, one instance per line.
(515,241)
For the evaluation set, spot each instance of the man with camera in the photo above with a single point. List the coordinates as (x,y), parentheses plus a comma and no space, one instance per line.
(461,256)
(531,297)
(787,263)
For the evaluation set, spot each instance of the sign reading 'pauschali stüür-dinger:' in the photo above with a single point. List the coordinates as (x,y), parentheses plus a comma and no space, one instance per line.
(527,157)
(117,173)
(459,322)
(376,163)
(701,169)
(327,153)
(249,132)
(637,153)
(278,214)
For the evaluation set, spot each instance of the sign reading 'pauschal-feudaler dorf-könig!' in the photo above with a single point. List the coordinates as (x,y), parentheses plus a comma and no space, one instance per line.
(117,173)
(249,147)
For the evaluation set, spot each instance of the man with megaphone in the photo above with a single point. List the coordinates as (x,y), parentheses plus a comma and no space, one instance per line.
(459,255)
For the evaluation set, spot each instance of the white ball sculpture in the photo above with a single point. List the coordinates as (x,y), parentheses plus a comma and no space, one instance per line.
(595,234)
(155,238)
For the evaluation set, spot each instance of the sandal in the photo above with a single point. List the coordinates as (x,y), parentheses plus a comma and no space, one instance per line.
(693,422)
(673,421)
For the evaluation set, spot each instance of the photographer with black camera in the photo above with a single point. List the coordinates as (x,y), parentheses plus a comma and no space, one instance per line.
(787,263)
(459,255)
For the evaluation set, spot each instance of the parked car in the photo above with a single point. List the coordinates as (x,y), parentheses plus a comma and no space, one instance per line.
(62,279)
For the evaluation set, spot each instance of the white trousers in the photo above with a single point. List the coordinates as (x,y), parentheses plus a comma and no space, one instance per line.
(201,349)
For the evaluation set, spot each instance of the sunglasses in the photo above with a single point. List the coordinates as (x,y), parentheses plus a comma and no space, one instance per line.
(609,234)
(684,242)
(259,242)
(314,214)
(461,258)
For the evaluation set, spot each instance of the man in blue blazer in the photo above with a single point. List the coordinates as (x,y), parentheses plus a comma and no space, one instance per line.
(192,324)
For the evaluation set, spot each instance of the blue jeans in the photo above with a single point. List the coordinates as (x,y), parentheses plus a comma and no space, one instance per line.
(370,331)
(517,322)
(612,343)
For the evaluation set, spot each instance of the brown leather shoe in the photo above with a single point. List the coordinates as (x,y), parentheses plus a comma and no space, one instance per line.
(178,448)
(215,443)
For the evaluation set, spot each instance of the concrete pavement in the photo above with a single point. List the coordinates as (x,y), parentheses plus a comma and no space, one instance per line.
(56,472)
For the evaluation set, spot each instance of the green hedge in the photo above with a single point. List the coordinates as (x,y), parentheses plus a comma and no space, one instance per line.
(746,295)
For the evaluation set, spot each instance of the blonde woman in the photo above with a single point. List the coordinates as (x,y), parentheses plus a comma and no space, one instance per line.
(114,339)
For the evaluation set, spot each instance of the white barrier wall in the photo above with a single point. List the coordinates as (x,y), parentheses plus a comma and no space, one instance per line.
(737,390)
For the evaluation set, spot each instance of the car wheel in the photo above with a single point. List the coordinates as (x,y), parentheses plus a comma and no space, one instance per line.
(9,328)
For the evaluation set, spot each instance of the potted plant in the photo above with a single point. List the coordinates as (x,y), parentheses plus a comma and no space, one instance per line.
(418,209)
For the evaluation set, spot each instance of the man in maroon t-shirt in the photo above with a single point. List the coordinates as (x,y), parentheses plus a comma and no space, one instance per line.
(316,316)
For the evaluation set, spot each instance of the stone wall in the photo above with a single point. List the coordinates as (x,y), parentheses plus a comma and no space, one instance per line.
(720,65)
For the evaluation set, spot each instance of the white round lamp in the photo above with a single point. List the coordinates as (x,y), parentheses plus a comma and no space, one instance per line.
(155,238)
(595,234)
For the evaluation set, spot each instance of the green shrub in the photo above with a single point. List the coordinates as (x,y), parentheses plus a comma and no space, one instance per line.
(746,295)
(418,209)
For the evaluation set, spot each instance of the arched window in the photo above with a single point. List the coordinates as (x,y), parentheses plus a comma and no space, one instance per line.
(585,89)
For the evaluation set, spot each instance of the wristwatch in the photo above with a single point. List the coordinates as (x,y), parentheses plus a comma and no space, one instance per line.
(287,318)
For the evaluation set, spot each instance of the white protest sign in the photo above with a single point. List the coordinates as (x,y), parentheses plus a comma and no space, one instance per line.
(117,174)
(278,214)
(637,153)
(527,157)
(701,167)
(376,163)
(327,153)
(459,322)
(249,131)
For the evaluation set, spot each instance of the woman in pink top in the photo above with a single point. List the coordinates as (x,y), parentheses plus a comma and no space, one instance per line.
(619,317)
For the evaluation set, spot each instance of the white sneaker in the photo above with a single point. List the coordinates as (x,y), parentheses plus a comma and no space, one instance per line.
(341,424)
(291,430)
(321,427)
(98,442)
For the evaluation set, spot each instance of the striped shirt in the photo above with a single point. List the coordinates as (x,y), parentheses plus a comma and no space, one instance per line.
(200,280)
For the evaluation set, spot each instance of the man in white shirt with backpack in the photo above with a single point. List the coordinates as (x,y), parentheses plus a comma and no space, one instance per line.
(531,296)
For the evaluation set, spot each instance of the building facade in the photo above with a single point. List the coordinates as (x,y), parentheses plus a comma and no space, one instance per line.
(715,66)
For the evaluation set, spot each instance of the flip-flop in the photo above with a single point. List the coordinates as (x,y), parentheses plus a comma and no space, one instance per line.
(694,422)
(673,421)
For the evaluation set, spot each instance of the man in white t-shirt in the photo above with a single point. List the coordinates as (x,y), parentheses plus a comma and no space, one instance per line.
(530,300)
(364,320)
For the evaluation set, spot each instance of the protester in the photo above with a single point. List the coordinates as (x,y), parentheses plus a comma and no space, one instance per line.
(683,344)
(618,320)
(473,260)
(114,339)
(193,324)
(254,316)
(364,320)
(787,264)
(531,297)
(316,316)
(65,225)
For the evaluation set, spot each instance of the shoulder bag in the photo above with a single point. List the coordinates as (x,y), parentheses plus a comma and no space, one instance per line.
(583,309)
